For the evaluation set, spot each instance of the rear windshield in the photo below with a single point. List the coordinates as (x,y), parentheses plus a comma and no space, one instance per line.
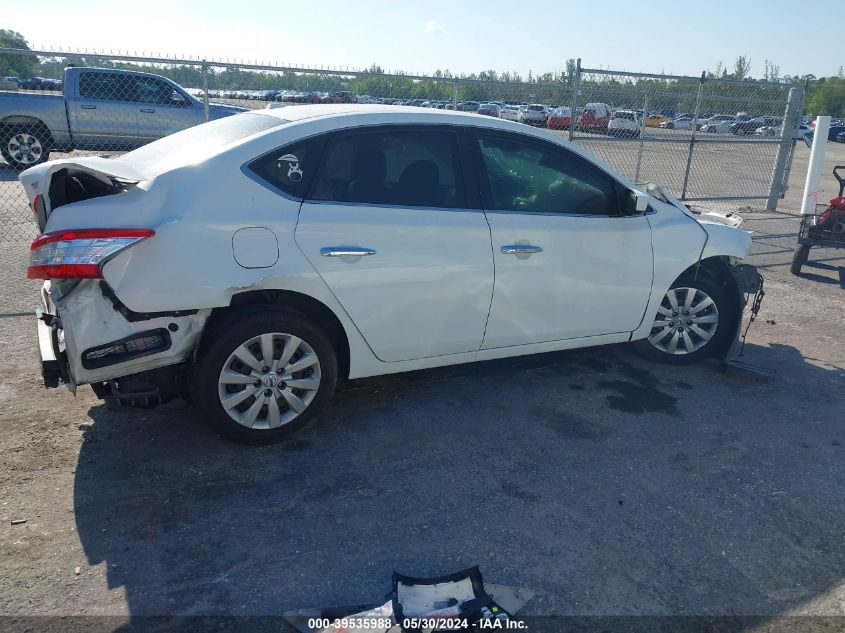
(536,107)
(624,115)
(197,143)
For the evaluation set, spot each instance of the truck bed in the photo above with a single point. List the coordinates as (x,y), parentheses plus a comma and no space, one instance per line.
(22,107)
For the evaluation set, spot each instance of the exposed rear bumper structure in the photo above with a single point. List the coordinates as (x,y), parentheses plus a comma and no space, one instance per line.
(85,337)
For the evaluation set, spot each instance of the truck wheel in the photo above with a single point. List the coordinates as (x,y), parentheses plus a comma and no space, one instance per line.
(24,145)
(693,322)
(799,258)
(264,373)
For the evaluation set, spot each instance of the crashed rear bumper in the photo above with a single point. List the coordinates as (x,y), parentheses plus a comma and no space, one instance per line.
(53,362)
(78,327)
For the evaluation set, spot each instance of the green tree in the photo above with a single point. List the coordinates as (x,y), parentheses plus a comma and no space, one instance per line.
(742,67)
(24,65)
(827,96)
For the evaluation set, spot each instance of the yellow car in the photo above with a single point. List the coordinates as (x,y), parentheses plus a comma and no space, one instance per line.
(655,120)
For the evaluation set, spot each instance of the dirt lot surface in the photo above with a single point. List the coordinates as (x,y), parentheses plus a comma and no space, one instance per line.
(608,484)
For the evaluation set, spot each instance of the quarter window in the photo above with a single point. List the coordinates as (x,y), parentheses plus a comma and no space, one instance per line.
(533,176)
(392,167)
(290,168)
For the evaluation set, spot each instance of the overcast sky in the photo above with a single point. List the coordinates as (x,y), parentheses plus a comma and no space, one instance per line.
(459,35)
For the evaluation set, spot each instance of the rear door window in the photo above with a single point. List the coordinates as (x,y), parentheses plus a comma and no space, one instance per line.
(406,167)
(107,86)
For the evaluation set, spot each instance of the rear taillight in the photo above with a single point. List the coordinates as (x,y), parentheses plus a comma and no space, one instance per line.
(79,253)
(38,204)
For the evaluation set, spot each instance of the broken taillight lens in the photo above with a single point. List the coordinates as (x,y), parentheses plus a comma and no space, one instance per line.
(79,253)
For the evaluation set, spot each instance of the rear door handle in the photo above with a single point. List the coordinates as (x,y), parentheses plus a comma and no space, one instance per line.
(520,249)
(87,106)
(346,251)
(149,110)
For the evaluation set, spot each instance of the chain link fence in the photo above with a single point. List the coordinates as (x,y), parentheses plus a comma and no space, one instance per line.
(703,138)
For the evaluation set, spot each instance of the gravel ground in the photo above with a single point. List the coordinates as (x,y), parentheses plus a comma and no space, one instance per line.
(609,485)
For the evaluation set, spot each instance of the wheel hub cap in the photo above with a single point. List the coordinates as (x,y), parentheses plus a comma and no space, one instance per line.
(269,380)
(25,148)
(686,321)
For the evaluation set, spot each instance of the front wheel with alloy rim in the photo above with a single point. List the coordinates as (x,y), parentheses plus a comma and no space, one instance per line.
(24,146)
(693,322)
(263,373)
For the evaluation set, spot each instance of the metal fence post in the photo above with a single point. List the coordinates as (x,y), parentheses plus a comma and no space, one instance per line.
(642,141)
(576,88)
(454,94)
(205,89)
(778,184)
(694,130)
(804,92)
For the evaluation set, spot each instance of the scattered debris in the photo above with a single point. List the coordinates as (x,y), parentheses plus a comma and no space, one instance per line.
(18,521)
(77,570)
(456,601)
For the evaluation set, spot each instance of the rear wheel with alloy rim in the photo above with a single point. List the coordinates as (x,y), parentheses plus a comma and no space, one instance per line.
(264,374)
(692,322)
(24,146)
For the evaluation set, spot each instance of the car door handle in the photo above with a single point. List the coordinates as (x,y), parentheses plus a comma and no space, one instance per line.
(520,249)
(149,110)
(86,106)
(346,251)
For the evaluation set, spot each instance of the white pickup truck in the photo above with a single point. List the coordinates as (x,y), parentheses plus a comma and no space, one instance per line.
(101,109)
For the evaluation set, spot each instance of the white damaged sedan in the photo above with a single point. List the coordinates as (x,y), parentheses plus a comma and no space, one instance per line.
(255,261)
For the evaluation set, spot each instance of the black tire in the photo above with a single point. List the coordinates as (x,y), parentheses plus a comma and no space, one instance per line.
(719,292)
(7,136)
(799,258)
(238,327)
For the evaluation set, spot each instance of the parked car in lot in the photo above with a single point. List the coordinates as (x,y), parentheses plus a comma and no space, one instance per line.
(509,112)
(717,124)
(654,120)
(560,118)
(534,114)
(625,123)
(749,126)
(101,109)
(595,117)
(832,133)
(160,279)
(681,123)
(489,109)
(39,83)
(774,129)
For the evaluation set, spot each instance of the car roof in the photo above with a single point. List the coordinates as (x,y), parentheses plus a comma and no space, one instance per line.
(405,114)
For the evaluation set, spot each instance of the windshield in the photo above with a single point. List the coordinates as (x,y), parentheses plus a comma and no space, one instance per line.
(197,143)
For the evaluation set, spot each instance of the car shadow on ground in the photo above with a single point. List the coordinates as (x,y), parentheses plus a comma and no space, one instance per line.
(607,484)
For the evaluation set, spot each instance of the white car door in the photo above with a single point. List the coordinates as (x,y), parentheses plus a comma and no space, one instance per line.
(388,228)
(568,262)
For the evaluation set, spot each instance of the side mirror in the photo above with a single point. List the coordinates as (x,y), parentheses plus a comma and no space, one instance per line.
(642,201)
